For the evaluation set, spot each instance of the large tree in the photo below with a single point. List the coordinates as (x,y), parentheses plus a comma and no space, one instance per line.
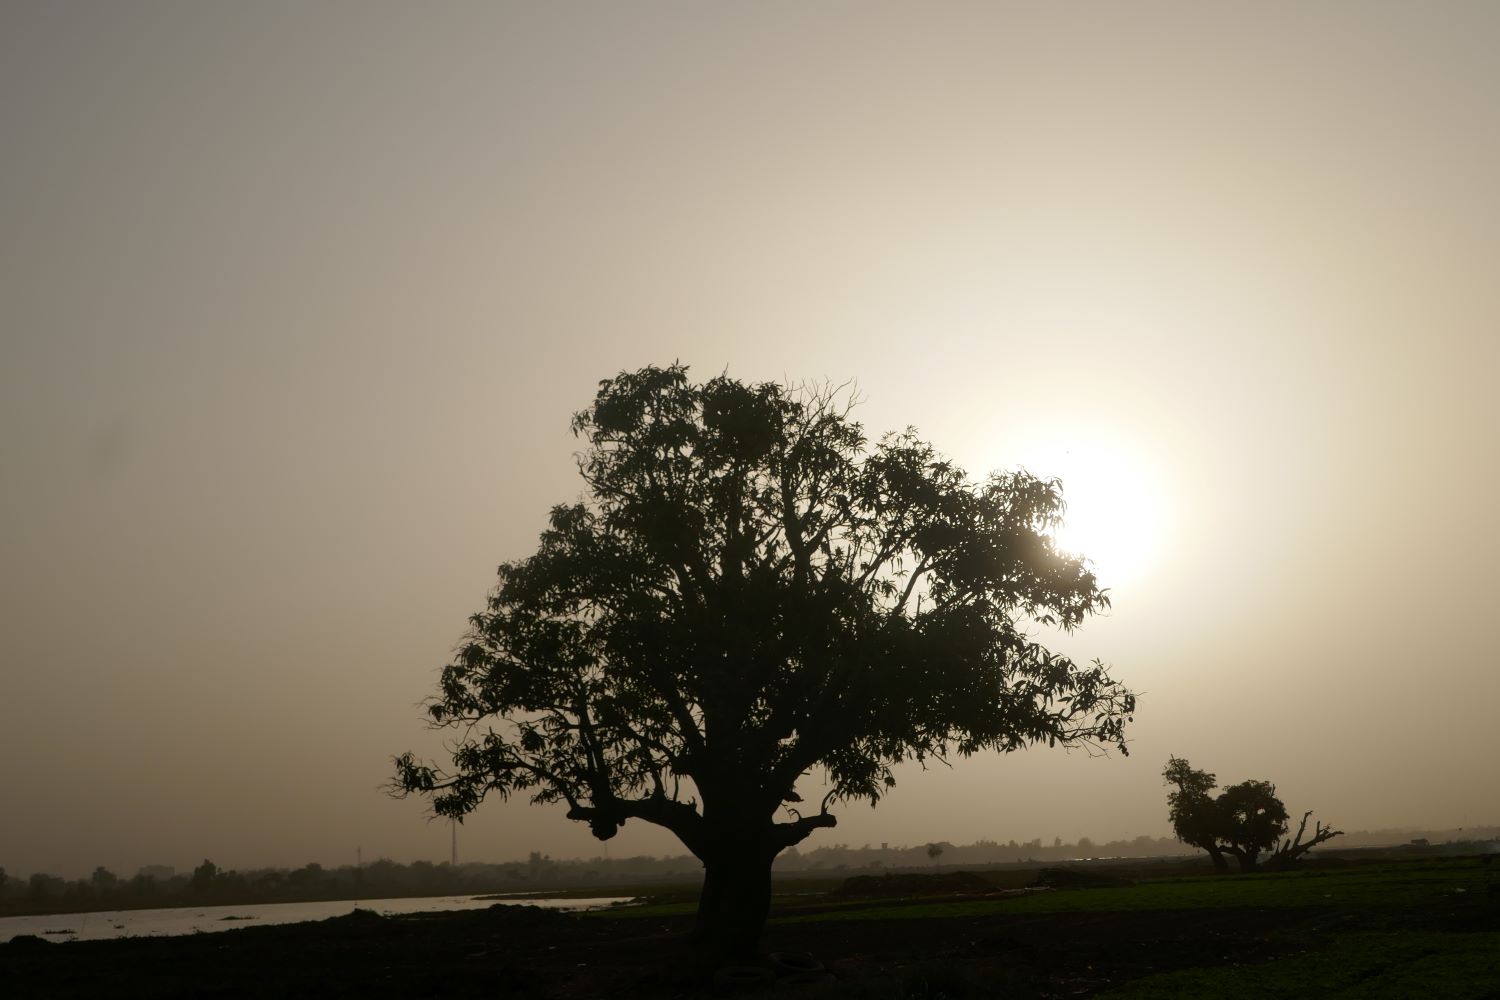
(751,593)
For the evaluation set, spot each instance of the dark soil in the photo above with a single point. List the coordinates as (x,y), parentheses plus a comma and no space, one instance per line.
(510,951)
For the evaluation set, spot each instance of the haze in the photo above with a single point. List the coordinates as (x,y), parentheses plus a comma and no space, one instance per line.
(297,300)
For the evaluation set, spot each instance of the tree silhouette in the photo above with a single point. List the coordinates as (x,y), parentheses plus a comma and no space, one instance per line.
(751,593)
(1245,820)
(204,876)
(1254,820)
(1290,850)
(1194,813)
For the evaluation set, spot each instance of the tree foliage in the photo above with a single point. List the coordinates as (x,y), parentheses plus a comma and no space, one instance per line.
(205,875)
(749,593)
(1254,819)
(1194,813)
(1245,820)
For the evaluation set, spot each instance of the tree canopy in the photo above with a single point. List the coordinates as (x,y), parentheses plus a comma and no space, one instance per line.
(1245,820)
(751,592)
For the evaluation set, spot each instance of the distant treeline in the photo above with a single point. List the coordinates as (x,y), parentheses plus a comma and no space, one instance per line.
(837,857)
(208,884)
(988,852)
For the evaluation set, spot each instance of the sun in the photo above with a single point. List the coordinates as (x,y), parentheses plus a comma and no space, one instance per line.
(1117,512)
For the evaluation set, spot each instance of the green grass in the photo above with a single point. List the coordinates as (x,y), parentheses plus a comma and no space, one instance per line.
(1365,966)
(1395,886)
(1391,930)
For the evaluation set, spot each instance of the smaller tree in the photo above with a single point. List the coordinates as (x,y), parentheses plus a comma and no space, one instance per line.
(307,878)
(142,886)
(1245,820)
(41,886)
(204,875)
(934,851)
(103,879)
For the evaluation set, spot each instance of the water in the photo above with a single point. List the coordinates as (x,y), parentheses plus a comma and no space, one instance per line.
(106,924)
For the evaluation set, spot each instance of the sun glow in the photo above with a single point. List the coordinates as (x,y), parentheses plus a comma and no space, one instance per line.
(1117,511)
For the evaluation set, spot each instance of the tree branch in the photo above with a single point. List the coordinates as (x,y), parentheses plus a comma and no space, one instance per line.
(784,835)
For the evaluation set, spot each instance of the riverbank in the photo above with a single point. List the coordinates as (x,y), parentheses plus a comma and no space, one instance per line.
(177,920)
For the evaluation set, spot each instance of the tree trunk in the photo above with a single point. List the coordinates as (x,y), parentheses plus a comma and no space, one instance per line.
(733,906)
(1221,863)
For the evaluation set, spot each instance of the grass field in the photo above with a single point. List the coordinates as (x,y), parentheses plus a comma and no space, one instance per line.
(1428,928)
(1399,884)
(1409,929)
(1395,886)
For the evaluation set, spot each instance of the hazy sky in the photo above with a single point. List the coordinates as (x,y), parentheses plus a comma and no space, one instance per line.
(297,300)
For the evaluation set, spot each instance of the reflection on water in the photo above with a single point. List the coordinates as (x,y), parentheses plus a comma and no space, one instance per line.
(208,919)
